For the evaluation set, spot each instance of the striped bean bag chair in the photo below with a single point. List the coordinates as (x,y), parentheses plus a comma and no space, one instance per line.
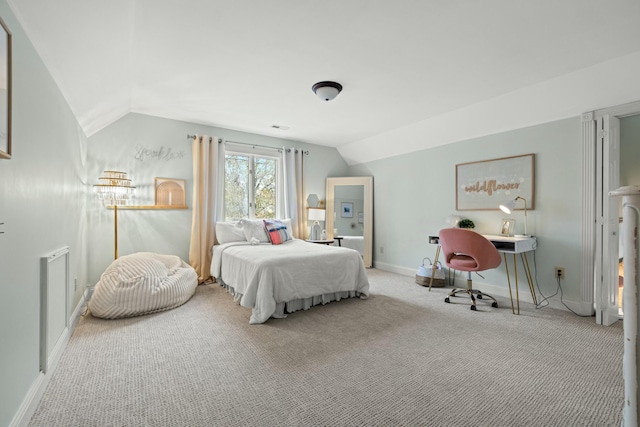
(142,283)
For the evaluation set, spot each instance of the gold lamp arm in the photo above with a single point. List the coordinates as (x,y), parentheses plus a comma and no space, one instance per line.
(525,214)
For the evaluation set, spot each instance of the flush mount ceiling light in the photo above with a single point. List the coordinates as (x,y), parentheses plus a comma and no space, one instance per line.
(326,90)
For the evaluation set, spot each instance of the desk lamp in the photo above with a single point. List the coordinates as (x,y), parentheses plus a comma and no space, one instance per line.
(508,206)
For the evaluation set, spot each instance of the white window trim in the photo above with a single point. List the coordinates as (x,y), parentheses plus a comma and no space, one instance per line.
(253,152)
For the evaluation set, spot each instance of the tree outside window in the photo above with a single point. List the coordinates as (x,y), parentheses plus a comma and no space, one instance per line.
(250,186)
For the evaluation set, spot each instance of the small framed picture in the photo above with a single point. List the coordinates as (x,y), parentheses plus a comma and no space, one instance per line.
(346,210)
(506,228)
(360,217)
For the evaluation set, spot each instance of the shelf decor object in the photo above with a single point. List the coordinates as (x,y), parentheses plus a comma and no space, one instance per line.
(114,189)
(170,192)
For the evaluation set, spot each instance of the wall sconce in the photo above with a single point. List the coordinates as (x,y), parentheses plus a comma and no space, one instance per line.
(509,206)
(315,215)
(114,188)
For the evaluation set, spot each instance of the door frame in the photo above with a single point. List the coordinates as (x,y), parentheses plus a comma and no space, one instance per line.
(590,286)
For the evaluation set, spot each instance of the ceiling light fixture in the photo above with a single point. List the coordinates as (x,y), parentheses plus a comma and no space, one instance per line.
(327,90)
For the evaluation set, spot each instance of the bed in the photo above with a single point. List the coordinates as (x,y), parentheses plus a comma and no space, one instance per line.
(276,279)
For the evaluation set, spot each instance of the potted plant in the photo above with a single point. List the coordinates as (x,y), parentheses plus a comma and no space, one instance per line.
(466,223)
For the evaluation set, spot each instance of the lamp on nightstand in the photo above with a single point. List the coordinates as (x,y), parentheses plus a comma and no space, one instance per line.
(315,215)
(510,205)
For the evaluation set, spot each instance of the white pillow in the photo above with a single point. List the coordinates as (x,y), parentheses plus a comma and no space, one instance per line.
(227,232)
(254,228)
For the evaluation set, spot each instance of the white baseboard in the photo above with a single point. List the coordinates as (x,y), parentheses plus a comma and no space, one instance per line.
(580,308)
(405,271)
(36,391)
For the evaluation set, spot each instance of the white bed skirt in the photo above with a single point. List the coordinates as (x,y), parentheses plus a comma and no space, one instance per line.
(284,308)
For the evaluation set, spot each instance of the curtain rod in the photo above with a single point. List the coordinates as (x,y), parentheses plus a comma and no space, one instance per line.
(250,145)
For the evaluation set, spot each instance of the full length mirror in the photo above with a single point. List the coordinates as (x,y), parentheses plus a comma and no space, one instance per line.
(349,217)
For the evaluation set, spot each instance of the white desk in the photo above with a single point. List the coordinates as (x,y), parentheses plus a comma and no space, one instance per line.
(516,245)
(508,245)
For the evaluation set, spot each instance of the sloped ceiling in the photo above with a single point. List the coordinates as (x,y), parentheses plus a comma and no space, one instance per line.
(416,73)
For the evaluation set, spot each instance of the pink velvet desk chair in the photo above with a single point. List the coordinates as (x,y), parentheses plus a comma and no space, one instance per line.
(466,250)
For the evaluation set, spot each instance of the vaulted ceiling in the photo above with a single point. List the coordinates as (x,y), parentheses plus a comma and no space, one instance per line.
(412,70)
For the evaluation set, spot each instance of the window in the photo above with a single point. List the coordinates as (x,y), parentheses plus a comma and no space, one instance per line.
(250,182)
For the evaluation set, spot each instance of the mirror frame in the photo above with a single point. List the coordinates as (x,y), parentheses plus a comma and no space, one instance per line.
(367,183)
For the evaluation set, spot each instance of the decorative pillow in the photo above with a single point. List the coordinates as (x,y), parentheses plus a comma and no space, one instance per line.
(277,231)
(287,223)
(254,229)
(227,232)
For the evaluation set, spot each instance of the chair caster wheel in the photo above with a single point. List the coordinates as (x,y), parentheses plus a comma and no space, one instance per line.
(473,308)
(494,304)
(447,299)
(479,296)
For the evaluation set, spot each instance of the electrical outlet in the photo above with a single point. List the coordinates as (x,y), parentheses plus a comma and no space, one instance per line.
(559,272)
(381,249)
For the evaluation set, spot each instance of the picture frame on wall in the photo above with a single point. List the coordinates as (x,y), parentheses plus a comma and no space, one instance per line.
(5,91)
(346,210)
(485,184)
(170,192)
(506,226)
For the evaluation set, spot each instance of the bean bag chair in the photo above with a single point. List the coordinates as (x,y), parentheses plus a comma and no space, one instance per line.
(142,283)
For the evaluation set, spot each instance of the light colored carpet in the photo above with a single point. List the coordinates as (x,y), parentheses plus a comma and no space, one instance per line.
(401,358)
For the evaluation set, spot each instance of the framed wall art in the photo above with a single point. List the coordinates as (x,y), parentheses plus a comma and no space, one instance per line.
(5,91)
(485,184)
(170,192)
(346,210)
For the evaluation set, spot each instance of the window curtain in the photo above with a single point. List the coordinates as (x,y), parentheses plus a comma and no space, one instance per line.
(293,167)
(207,157)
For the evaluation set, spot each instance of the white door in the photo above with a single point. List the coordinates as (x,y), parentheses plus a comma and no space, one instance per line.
(606,258)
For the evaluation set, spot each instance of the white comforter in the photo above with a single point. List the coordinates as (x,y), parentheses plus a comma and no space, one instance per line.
(353,242)
(266,274)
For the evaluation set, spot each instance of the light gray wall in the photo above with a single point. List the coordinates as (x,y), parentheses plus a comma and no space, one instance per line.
(147,147)
(414,193)
(630,150)
(42,203)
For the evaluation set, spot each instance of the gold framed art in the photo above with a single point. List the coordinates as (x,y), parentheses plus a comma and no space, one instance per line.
(485,184)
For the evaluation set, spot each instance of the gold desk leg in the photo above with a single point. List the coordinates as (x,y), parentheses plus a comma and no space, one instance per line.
(435,267)
(525,262)
(506,266)
(515,271)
